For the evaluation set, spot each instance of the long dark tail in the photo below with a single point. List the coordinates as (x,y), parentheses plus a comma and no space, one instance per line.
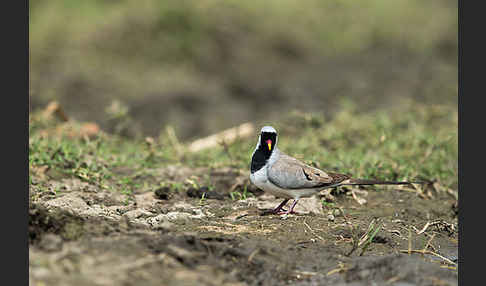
(376,182)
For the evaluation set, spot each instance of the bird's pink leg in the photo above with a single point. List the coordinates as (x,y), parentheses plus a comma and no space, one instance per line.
(291,210)
(280,206)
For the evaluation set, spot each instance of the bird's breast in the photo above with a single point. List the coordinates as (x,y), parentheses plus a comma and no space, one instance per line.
(260,180)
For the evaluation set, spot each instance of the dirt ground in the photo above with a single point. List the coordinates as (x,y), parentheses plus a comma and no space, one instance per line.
(83,234)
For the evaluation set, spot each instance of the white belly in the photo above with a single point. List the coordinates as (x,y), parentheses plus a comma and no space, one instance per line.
(260,180)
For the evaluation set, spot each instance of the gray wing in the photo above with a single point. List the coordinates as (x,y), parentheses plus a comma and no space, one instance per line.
(290,173)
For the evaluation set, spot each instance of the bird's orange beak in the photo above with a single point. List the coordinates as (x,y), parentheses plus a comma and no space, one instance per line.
(269,142)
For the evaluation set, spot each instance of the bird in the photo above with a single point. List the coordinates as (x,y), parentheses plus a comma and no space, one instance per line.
(281,175)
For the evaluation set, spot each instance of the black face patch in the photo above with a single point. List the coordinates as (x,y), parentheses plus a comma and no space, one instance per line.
(262,154)
(257,161)
(265,136)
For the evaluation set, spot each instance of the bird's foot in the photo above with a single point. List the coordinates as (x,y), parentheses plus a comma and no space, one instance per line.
(280,208)
(291,210)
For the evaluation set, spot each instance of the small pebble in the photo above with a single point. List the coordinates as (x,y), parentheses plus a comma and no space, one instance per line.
(330,217)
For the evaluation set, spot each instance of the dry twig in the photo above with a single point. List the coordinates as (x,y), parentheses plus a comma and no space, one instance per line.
(359,200)
(55,108)
(227,136)
(449,227)
(409,241)
(428,242)
(424,228)
(429,252)
(250,257)
(318,236)
(341,268)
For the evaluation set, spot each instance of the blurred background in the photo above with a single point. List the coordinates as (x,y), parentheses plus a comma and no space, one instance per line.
(135,67)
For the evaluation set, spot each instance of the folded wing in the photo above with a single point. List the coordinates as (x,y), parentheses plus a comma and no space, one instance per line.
(290,173)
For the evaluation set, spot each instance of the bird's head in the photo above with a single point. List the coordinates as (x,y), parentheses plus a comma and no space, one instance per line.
(267,140)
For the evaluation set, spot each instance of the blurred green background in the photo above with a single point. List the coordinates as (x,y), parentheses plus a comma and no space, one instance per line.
(135,67)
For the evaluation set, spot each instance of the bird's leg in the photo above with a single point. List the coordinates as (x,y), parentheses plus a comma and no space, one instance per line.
(291,210)
(280,206)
